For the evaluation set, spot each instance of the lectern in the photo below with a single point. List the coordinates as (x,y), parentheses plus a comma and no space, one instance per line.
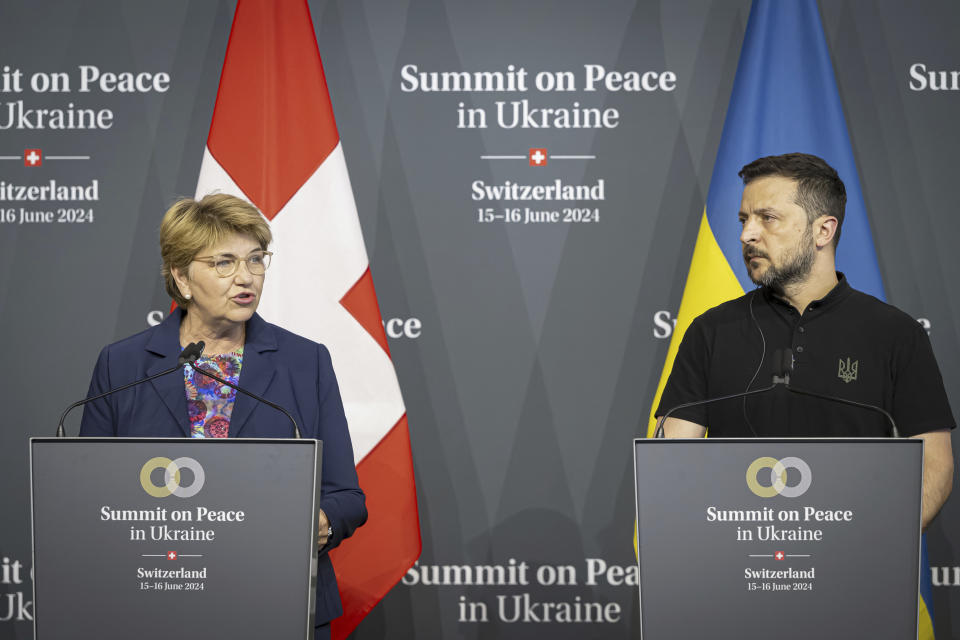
(174,538)
(778,538)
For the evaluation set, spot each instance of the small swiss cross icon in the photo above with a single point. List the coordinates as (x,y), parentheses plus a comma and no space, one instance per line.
(171,555)
(778,555)
(538,157)
(32,157)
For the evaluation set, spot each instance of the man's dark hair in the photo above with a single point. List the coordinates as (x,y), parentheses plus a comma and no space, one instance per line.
(820,190)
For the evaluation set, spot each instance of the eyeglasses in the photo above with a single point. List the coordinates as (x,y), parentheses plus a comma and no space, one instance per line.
(227,264)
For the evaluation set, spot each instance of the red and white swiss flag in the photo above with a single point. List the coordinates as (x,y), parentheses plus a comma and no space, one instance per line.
(33,157)
(273,141)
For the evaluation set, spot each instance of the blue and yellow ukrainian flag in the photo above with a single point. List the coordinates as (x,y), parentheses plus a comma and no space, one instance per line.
(784,100)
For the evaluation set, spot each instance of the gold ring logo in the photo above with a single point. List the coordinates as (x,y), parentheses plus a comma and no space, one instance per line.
(171,477)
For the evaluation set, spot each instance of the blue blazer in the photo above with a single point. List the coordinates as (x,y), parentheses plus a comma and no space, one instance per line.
(283,367)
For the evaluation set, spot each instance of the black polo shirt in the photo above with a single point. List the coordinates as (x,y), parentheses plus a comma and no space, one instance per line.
(848,344)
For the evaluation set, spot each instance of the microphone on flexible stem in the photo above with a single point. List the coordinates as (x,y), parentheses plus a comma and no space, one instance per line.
(296,429)
(782,365)
(788,354)
(189,355)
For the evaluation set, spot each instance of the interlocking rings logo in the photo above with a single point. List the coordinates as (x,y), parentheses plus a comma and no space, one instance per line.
(778,477)
(171,477)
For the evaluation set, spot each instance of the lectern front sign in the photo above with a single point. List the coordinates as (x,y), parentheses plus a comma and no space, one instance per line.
(786,539)
(174,538)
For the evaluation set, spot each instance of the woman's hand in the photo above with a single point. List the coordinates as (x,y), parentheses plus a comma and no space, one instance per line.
(323,529)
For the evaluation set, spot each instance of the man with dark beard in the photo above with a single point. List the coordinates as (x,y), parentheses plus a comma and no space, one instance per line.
(845,343)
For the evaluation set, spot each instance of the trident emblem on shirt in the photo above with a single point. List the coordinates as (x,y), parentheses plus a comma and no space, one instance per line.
(848,371)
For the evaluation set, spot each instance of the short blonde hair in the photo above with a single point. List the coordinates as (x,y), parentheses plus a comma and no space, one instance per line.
(190,226)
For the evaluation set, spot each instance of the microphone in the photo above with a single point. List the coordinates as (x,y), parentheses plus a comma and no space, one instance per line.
(788,357)
(193,365)
(189,355)
(782,365)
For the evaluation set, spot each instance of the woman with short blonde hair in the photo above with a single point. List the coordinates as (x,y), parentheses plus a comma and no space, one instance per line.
(215,258)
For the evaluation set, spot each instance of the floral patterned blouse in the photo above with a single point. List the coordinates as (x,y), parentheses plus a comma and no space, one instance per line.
(210,403)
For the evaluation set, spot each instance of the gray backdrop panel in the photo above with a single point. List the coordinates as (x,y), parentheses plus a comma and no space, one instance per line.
(541,345)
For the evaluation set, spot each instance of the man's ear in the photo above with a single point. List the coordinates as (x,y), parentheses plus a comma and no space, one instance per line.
(824,229)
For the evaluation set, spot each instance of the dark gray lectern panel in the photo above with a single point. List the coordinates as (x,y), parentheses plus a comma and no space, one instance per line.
(126,546)
(786,539)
